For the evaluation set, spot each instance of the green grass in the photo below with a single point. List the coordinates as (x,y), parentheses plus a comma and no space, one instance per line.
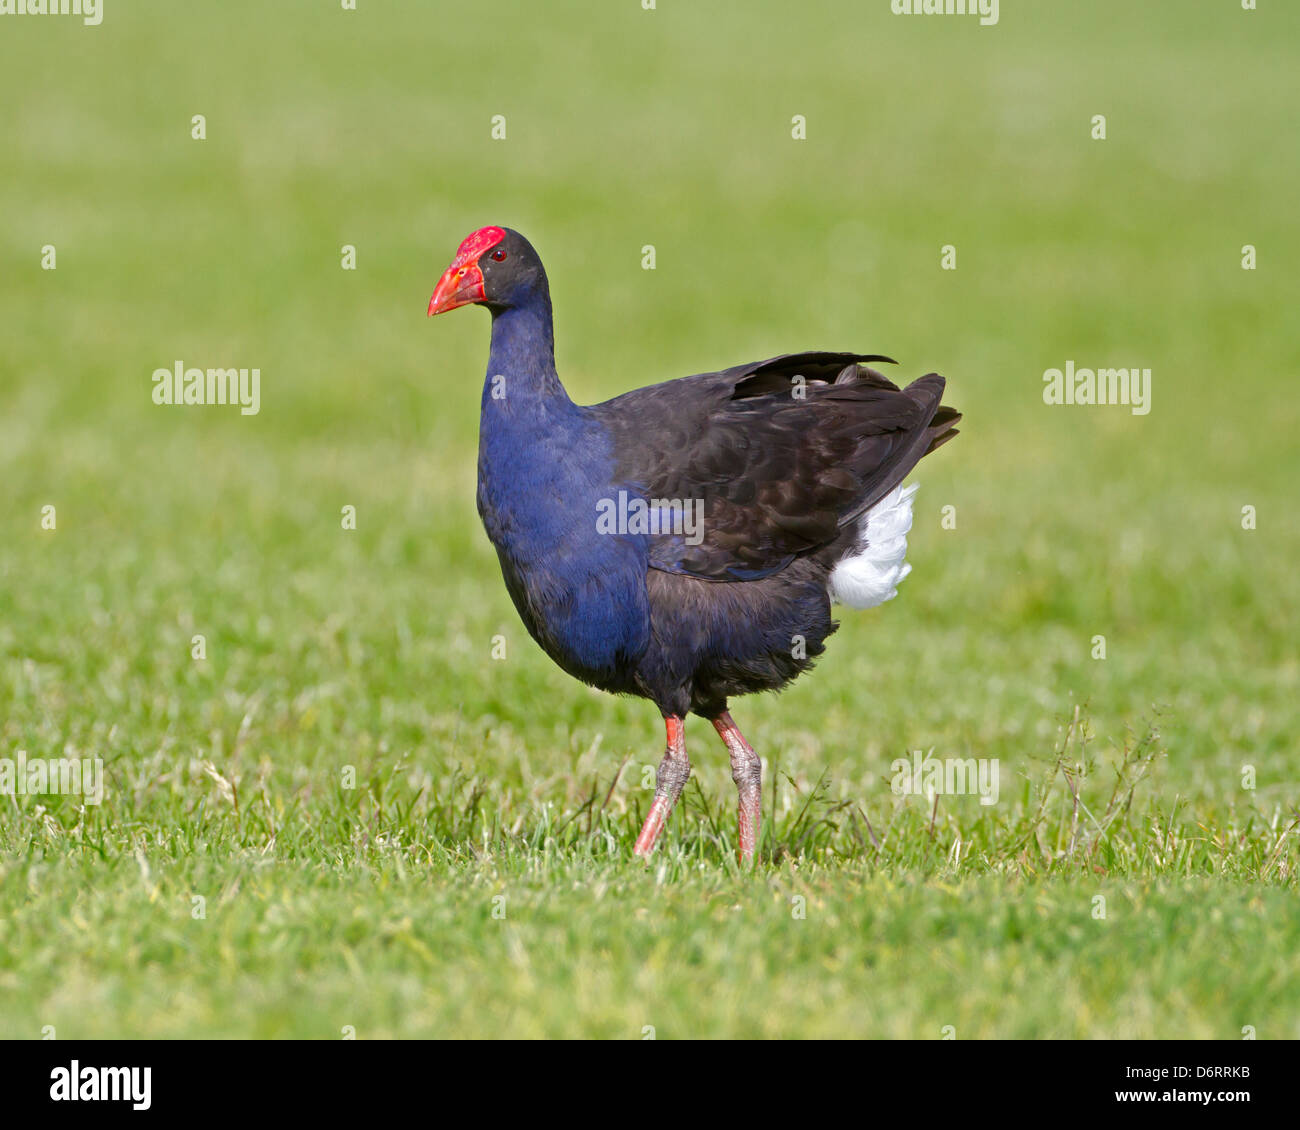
(477,779)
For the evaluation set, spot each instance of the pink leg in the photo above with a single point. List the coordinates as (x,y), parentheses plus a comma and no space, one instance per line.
(747,772)
(669,781)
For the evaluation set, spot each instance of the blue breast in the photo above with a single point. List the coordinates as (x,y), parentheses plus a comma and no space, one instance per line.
(545,465)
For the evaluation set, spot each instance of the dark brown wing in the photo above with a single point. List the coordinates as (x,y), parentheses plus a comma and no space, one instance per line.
(778,455)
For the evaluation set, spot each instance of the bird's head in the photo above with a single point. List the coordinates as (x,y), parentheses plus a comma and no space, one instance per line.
(496,267)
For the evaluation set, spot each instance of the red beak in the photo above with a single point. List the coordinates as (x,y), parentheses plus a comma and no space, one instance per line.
(459,286)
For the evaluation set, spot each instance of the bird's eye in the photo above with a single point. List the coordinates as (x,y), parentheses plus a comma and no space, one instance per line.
(499,254)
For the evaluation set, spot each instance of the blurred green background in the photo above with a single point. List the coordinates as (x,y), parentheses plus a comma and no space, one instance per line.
(373,648)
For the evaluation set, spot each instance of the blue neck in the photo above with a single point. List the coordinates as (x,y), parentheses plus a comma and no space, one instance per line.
(529,429)
(523,352)
(544,467)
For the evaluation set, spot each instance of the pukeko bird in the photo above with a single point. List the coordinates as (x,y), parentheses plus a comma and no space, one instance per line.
(684,542)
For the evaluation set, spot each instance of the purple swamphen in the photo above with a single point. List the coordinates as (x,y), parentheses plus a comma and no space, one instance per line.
(684,542)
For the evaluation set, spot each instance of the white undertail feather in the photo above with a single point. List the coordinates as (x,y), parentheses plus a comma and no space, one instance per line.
(869,575)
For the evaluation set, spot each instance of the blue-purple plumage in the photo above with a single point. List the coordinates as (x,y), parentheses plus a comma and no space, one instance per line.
(778,457)
(683,542)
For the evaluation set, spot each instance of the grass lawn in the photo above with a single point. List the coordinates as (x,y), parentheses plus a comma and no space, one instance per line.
(373,804)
